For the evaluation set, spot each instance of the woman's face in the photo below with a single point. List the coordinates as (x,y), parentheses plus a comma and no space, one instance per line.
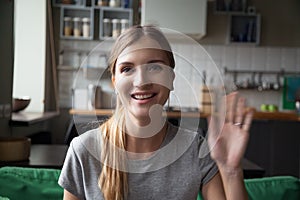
(143,77)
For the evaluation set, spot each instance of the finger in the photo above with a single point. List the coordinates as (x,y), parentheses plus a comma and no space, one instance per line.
(240,110)
(216,120)
(212,125)
(248,120)
(230,106)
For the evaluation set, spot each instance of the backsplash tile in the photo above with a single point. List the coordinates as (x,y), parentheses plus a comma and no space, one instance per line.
(258,58)
(189,79)
(244,58)
(298,60)
(229,57)
(273,62)
(289,59)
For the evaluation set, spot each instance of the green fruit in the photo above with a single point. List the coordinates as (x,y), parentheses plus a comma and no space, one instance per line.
(272,108)
(264,107)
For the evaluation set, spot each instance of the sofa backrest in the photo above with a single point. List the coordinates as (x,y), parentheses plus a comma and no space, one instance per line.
(38,183)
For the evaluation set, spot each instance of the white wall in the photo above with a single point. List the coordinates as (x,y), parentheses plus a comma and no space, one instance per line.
(30,45)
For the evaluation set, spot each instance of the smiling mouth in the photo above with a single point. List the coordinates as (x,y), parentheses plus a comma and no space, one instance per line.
(142,96)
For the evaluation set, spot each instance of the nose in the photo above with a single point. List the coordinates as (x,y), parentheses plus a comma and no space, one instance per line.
(141,77)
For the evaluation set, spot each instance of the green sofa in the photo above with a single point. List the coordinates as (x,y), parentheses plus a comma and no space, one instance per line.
(37,183)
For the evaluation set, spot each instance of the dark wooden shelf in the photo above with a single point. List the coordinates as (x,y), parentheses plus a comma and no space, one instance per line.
(28,118)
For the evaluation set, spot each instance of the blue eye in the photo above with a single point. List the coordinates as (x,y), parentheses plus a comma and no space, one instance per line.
(154,68)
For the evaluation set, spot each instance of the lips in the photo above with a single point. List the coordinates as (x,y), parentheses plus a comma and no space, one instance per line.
(143,96)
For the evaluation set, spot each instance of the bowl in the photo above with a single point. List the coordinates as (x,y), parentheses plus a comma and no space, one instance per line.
(19,104)
(14,148)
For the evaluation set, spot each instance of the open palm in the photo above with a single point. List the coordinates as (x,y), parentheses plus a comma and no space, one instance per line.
(228,138)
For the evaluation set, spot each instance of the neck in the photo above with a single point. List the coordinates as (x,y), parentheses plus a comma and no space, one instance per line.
(145,144)
(145,126)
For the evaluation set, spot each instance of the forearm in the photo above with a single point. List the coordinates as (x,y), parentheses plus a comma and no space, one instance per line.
(233,183)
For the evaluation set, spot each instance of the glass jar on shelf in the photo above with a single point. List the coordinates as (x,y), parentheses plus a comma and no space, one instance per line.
(68,26)
(66,1)
(102,3)
(77,26)
(86,27)
(78,2)
(114,3)
(106,27)
(124,25)
(116,28)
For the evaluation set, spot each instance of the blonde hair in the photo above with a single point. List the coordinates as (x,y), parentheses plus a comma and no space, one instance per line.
(112,181)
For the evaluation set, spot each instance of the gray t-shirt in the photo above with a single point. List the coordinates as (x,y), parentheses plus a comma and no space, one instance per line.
(175,171)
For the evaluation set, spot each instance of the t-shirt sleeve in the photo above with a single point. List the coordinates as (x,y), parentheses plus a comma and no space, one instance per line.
(208,166)
(210,170)
(71,177)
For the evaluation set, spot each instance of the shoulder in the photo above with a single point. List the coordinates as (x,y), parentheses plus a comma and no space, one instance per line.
(87,137)
(87,143)
(82,165)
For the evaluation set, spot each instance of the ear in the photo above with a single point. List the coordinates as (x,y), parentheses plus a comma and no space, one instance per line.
(172,77)
(113,80)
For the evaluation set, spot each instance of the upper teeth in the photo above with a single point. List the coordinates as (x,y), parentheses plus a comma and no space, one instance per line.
(142,96)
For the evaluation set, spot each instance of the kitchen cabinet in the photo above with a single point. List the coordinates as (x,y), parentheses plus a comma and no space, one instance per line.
(230,6)
(85,13)
(72,3)
(274,145)
(113,13)
(244,29)
(79,13)
(188,17)
(243,21)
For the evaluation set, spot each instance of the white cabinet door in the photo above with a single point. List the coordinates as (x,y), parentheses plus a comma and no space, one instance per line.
(186,16)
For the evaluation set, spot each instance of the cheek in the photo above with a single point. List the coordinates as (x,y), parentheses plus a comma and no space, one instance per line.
(164,95)
(123,85)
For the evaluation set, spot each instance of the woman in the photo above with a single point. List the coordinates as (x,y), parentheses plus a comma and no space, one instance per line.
(128,156)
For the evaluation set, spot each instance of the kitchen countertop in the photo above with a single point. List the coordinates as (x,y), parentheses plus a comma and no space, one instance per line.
(287,116)
(28,118)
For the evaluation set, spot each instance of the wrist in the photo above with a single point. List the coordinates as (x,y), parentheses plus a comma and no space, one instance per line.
(229,171)
(233,182)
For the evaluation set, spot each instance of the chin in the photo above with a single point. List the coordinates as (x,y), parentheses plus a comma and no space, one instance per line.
(139,113)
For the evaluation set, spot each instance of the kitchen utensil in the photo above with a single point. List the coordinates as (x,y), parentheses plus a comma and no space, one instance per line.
(297,105)
(205,99)
(19,104)
(91,96)
(98,97)
(297,101)
(14,148)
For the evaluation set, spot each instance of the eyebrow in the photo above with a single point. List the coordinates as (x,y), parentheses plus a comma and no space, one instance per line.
(149,62)
(157,61)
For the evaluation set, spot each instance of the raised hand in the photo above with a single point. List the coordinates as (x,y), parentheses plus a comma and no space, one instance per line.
(229,132)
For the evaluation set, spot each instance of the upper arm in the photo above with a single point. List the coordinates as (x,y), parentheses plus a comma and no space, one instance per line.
(213,189)
(69,196)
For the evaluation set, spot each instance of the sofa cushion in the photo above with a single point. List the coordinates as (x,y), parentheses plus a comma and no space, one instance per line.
(272,188)
(29,183)
(38,183)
